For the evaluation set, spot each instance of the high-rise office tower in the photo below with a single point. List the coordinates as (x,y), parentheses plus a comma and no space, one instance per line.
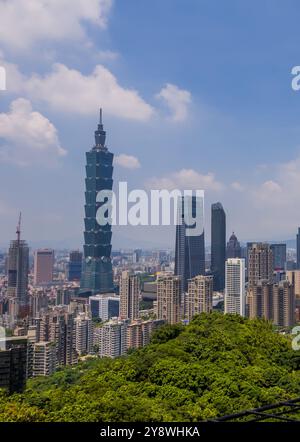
(293,276)
(105,306)
(44,359)
(260,300)
(137,256)
(169,299)
(233,249)
(298,248)
(139,332)
(235,293)
(43,266)
(218,245)
(111,338)
(129,296)
(97,275)
(32,338)
(260,263)
(291,264)
(39,302)
(59,328)
(67,340)
(200,296)
(63,297)
(75,266)
(18,266)
(275,302)
(135,332)
(83,334)
(13,363)
(283,304)
(189,249)
(279,256)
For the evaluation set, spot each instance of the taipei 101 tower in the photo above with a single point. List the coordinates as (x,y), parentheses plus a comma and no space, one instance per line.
(97,276)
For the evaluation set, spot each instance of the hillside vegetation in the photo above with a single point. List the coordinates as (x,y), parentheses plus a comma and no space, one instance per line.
(219,364)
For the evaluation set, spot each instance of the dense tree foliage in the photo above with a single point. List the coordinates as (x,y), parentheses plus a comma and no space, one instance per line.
(219,364)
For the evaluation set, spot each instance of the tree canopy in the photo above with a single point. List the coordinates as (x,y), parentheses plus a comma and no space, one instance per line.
(216,365)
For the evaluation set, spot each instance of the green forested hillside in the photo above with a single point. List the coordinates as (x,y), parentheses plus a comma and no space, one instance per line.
(219,364)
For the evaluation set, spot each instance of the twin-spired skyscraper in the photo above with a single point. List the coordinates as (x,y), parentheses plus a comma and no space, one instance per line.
(189,249)
(97,275)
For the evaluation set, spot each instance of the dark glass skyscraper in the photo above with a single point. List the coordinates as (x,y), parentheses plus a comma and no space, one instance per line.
(233,247)
(97,276)
(298,248)
(218,245)
(18,267)
(75,266)
(189,250)
(279,256)
(13,363)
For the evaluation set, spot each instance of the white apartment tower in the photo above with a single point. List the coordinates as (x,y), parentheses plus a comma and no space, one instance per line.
(111,338)
(235,293)
(44,359)
(105,306)
(83,334)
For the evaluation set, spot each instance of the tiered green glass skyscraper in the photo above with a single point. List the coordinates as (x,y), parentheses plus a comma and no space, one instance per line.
(97,276)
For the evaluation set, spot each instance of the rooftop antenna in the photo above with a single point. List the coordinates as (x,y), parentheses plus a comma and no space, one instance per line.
(18,232)
(100,122)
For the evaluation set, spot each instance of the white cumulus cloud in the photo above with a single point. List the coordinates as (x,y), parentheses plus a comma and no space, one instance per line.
(68,90)
(27,137)
(271,208)
(186,179)
(127,161)
(23,23)
(236,185)
(177,100)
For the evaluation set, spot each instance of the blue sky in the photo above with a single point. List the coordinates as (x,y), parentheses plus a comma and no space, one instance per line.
(196,93)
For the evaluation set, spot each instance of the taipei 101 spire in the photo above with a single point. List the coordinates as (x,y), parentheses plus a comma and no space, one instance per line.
(97,276)
(100,135)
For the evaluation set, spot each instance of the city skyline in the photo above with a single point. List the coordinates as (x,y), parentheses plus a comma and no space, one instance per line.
(150,161)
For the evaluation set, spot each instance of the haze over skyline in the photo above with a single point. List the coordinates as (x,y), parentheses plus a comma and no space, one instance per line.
(177,113)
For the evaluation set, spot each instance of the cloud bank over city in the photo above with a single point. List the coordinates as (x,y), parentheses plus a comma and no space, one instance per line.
(40,21)
(29,135)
